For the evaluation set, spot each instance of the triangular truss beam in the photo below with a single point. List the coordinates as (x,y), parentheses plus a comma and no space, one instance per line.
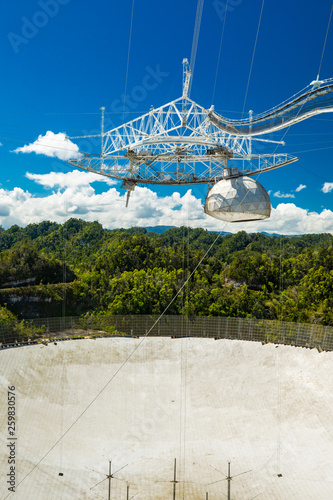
(176,143)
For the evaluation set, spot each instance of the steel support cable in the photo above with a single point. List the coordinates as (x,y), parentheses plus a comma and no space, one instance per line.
(185,357)
(64,236)
(312,143)
(315,174)
(254,51)
(322,54)
(44,145)
(195,40)
(52,114)
(184,299)
(279,413)
(300,109)
(256,44)
(53,147)
(239,205)
(128,57)
(288,128)
(183,408)
(219,56)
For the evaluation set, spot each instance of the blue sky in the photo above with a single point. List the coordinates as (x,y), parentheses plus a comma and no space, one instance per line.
(64,59)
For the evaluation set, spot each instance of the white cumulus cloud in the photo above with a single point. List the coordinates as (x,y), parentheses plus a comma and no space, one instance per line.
(53,145)
(327,187)
(78,198)
(289,219)
(67,179)
(278,194)
(300,187)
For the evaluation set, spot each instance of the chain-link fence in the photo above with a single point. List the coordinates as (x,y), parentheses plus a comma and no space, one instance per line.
(279,332)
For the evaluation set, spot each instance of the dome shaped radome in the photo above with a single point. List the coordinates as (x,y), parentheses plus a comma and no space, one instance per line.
(238,199)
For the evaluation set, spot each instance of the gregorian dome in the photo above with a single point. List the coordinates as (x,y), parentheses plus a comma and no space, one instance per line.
(238,199)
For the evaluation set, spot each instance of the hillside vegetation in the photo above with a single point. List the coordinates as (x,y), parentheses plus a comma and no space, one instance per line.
(80,268)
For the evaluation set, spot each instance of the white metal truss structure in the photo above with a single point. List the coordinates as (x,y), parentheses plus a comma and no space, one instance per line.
(184,143)
(314,99)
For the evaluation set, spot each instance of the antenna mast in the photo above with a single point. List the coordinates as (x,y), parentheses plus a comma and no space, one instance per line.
(109,478)
(174,482)
(186,78)
(186,86)
(229,479)
(102,131)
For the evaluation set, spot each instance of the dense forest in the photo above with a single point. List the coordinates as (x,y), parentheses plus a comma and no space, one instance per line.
(79,268)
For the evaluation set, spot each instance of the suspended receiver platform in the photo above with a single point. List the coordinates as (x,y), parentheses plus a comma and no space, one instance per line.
(184,143)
